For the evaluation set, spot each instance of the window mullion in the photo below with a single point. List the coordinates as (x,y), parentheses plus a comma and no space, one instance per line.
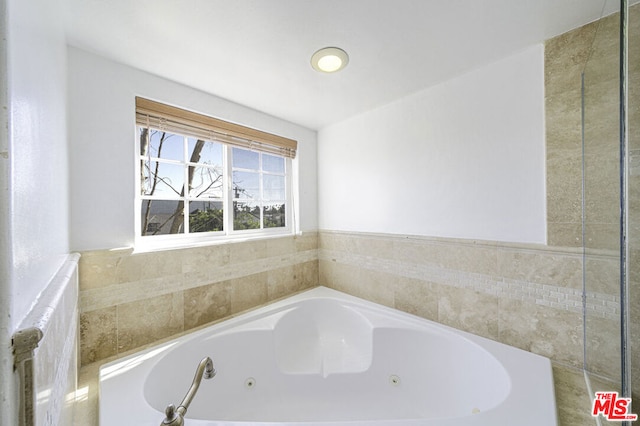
(185,186)
(261,181)
(227,162)
(290,201)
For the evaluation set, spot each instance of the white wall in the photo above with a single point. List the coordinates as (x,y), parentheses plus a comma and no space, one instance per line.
(38,148)
(464,159)
(102,135)
(34,180)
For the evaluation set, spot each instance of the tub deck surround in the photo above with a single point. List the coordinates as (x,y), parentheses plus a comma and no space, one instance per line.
(572,398)
(323,356)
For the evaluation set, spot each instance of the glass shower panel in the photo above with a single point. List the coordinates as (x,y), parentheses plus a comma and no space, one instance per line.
(601,206)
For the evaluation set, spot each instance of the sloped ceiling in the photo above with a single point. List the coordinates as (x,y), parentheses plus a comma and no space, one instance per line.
(257,52)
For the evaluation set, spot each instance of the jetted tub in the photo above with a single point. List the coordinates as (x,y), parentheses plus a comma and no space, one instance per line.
(323,357)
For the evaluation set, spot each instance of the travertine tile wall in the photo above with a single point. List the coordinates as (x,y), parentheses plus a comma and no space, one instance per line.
(128,300)
(592,50)
(565,58)
(528,296)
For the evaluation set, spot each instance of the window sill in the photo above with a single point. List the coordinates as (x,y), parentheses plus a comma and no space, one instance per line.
(162,243)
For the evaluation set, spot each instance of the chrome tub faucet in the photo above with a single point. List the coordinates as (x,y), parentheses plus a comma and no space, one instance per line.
(175,416)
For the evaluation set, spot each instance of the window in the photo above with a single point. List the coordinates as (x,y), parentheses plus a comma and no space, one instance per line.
(259,190)
(203,178)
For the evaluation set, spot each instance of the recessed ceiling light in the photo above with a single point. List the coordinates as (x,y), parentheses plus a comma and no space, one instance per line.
(329,59)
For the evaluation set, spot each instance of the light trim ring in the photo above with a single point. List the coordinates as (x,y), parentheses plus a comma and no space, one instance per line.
(329,60)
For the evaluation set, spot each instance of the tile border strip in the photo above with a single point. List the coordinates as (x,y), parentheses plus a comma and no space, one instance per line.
(597,304)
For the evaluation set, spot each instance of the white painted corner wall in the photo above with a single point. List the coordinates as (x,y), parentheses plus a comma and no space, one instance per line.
(102,141)
(464,159)
(38,187)
(34,188)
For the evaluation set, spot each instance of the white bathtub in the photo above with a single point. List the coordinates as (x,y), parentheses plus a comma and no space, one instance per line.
(323,357)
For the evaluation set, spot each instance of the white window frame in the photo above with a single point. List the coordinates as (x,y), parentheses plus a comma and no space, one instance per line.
(288,195)
(186,239)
